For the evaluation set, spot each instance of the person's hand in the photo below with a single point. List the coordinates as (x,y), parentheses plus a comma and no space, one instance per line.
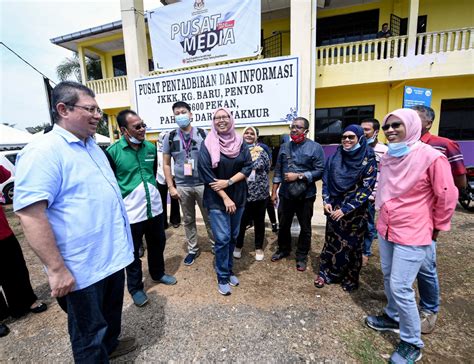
(337,215)
(230,207)
(328,209)
(435,234)
(61,282)
(290,176)
(274,199)
(219,184)
(174,193)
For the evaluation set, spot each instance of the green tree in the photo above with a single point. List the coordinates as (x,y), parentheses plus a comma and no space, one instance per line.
(70,67)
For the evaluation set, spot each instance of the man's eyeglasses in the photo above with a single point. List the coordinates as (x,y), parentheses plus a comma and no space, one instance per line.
(222,118)
(140,126)
(395,125)
(350,137)
(296,127)
(91,109)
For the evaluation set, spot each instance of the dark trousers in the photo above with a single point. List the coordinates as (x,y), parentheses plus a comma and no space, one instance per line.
(304,212)
(271,210)
(154,232)
(254,211)
(14,279)
(175,217)
(94,319)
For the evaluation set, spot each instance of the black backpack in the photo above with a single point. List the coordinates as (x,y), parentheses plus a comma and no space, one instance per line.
(172,135)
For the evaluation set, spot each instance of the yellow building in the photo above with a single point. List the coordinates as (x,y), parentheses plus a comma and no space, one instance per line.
(356,76)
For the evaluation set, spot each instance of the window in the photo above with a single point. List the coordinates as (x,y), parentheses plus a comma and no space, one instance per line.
(329,123)
(457,119)
(120,67)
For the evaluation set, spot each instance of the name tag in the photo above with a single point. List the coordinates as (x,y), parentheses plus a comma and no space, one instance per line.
(188,167)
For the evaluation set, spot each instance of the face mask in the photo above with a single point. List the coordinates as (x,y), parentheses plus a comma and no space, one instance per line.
(354,147)
(134,140)
(297,138)
(182,120)
(371,140)
(398,149)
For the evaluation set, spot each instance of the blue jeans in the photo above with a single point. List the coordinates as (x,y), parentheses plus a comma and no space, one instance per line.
(428,285)
(225,228)
(371,232)
(94,319)
(400,266)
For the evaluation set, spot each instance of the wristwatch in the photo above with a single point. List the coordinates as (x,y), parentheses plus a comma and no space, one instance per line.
(300,176)
(230,182)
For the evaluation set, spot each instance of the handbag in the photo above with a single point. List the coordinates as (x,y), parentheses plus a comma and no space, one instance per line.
(296,189)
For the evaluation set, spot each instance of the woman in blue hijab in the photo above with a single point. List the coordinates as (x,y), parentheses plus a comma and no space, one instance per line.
(348,180)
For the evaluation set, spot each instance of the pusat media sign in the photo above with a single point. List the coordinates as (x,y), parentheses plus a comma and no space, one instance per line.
(257,93)
(190,33)
(416,96)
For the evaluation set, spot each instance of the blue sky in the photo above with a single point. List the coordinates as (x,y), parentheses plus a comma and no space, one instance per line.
(26,26)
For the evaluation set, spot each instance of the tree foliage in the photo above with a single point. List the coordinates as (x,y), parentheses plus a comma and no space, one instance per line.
(70,68)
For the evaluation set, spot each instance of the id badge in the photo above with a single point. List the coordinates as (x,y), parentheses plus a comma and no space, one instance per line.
(188,167)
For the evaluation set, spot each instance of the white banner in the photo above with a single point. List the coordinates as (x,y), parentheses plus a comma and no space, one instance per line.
(257,93)
(191,33)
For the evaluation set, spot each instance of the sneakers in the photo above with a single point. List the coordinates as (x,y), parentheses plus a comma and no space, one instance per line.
(233,281)
(166,279)
(237,253)
(300,265)
(259,255)
(139,298)
(279,255)
(428,321)
(190,258)
(382,323)
(405,354)
(275,227)
(125,346)
(224,289)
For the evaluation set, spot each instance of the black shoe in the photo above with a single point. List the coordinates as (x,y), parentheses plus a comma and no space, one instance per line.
(300,265)
(4,330)
(382,323)
(275,227)
(176,225)
(141,251)
(279,255)
(125,346)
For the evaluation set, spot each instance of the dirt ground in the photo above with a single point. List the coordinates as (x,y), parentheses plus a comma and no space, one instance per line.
(275,315)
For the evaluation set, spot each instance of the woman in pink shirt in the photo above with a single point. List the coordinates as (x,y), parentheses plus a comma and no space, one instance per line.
(416,199)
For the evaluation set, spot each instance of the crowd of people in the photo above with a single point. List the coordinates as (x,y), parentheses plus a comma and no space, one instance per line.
(85,212)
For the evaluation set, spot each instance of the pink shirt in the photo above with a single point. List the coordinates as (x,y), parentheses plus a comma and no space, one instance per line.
(411,218)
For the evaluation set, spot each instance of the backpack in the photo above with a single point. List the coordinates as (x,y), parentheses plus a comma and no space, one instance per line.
(172,134)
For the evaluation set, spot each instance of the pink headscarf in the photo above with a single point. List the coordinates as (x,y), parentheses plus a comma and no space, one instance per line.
(399,174)
(228,143)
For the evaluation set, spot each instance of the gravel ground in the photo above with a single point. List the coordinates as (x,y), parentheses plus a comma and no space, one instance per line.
(275,315)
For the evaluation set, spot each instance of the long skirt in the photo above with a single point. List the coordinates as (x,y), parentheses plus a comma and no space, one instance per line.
(341,257)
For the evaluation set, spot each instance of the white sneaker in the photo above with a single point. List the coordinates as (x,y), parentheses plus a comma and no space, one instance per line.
(237,253)
(259,255)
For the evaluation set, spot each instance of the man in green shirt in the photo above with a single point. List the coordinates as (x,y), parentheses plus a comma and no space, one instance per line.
(134,160)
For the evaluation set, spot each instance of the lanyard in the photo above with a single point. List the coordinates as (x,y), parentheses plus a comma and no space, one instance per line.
(186,145)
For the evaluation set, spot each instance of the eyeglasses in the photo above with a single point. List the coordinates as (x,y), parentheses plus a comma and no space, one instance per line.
(296,127)
(221,118)
(350,137)
(394,125)
(140,126)
(91,109)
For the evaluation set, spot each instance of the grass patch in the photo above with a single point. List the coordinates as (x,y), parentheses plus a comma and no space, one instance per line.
(361,348)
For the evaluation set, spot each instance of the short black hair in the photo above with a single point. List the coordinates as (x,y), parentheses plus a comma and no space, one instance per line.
(67,92)
(122,117)
(384,24)
(306,122)
(425,109)
(375,123)
(181,104)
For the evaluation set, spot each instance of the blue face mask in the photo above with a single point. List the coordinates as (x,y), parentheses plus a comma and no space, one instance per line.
(398,149)
(351,149)
(133,140)
(182,120)
(372,139)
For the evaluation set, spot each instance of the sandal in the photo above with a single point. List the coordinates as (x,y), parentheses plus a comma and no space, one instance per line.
(40,308)
(319,282)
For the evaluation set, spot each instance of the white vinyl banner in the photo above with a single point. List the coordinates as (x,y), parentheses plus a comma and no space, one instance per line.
(263,92)
(190,33)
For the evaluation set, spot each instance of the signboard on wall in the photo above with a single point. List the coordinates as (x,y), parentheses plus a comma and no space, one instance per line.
(416,96)
(257,93)
(190,33)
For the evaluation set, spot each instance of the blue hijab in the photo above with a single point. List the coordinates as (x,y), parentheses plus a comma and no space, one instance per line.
(346,167)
